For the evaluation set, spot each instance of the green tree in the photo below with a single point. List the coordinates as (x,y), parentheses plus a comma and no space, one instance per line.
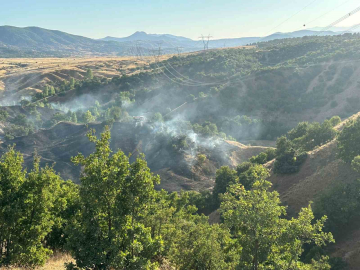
(24,102)
(189,241)
(108,233)
(65,208)
(341,203)
(224,177)
(73,117)
(306,136)
(72,83)
(114,113)
(203,246)
(88,117)
(335,120)
(89,74)
(27,210)
(355,164)
(52,90)
(46,91)
(348,141)
(157,117)
(288,159)
(268,240)
(264,157)
(3,115)
(253,174)
(20,119)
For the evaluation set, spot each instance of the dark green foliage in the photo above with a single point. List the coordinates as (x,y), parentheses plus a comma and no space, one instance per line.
(288,160)
(253,174)
(335,120)
(157,117)
(189,241)
(89,74)
(337,263)
(268,240)
(348,141)
(108,232)
(179,143)
(3,115)
(66,207)
(224,178)
(264,157)
(20,120)
(206,129)
(203,246)
(30,207)
(341,203)
(291,149)
(306,136)
(243,167)
(12,131)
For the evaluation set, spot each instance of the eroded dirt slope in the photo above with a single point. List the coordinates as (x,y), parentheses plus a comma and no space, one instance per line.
(177,169)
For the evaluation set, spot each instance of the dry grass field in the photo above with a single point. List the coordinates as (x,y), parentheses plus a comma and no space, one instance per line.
(56,262)
(25,76)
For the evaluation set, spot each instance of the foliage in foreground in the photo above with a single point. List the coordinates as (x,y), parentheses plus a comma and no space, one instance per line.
(31,203)
(116,219)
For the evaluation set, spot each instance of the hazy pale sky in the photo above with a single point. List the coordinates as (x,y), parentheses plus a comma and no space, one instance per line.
(220,18)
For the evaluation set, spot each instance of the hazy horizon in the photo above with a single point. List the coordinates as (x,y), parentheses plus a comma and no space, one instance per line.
(232,19)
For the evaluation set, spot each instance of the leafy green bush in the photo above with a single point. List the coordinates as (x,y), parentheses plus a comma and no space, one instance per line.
(31,205)
(264,157)
(348,141)
(108,231)
(3,115)
(288,160)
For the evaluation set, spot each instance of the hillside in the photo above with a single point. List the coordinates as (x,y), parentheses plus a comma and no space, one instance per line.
(189,44)
(177,169)
(322,171)
(275,86)
(23,78)
(258,93)
(190,115)
(39,42)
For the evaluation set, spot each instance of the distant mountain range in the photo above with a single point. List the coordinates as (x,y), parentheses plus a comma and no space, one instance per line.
(39,42)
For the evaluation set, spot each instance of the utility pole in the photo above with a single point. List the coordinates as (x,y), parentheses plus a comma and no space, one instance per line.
(205,40)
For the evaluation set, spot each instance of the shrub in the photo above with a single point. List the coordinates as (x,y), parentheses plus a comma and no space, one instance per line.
(348,141)
(201,158)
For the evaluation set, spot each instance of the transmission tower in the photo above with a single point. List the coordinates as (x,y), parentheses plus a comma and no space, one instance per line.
(206,40)
(138,50)
(158,50)
(179,50)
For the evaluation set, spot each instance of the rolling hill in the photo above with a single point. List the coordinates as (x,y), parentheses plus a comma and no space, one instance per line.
(36,41)
(322,171)
(40,42)
(178,170)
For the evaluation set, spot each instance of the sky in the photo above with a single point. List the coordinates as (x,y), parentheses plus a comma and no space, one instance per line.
(189,18)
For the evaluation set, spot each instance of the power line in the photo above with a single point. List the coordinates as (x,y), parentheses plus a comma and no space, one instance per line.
(327,13)
(293,15)
(356,10)
(190,82)
(352,28)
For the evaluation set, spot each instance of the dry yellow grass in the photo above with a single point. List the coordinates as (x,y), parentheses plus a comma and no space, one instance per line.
(56,262)
(26,76)
(10,66)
